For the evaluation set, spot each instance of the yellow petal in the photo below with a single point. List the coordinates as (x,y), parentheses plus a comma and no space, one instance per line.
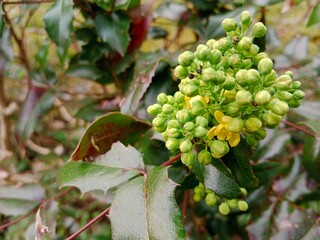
(226,119)
(234,140)
(218,115)
(187,102)
(221,132)
(211,132)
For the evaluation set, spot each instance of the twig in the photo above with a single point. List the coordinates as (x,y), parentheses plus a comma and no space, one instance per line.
(184,205)
(299,128)
(77,233)
(172,160)
(28,2)
(4,119)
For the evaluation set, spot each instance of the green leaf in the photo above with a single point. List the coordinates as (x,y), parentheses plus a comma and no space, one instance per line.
(58,21)
(13,207)
(238,162)
(41,56)
(86,71)
(311,157)
(114,30)
(265,171)
(106,130)
(314,17)
(1,19)
(220,183)
(115,167)
(147,209)
(144,71)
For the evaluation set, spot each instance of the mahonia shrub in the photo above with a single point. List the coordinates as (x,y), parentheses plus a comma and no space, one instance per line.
(229,92)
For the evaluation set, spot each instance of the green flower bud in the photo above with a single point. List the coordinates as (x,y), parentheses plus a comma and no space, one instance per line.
(200,132)
(283,82)
(298,94)
(293,103)
(252,124)
(187,158)
(224,208)
(196,197)
(181,72)
(165,136)
(246,63)
(208,74)
(170,100)
(295,85)
(253,77)
(215,56)
(233,203)
(245,43)
(186,58)
(154,109)
(271,119)
(190,90)
(244,191)
(243,205)
(262,97)
(172,144)
(279,107)
(241,77)
(251,140)
(197,107)
(230,95)
(245,19)
(179,97)
(254,50)
(258,58)
(167,108)
(265,66)
(243,97)
(235,61)
(173,132)
(229,83)
(189,126)
(201,121)
(229,24)
(204,157)
(162,98)
(158,121)
(203,52)
(260,134)
(210,43)
(161,129)
(183,116)
(218,77)
(233,108)
(284,96)
(270,79)
(186,146)
(259,30)
(235,124)
(173,124)
(224,44)
(219,148)
(199,190)
(289,73)
(211,199)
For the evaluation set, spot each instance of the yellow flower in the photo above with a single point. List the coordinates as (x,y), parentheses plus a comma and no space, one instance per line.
(222,132)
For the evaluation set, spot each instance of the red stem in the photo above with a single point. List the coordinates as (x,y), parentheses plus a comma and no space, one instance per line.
(184,205)
(172,160)
(77,233)
(302,129)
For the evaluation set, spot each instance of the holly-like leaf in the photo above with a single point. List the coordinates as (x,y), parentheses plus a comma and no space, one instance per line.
(114,29)
(106,130)
(145,70)
(220,183)
(1,19)
(147,209)
(238,162)
(314,17)
(117,166)
(58,21)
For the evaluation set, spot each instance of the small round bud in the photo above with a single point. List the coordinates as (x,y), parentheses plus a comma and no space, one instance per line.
(215,56)
(189,126)
(179,97)
(210,43)
(243,97)
(253,77)
(245,19)
(259,30)
(295,85)
(235,60)
(187,158)
(241,77)
(289,73)
(229,83)
(162,98)
(230,95)
(233,108)
(200,132)
(233,203)
(284,95)
(225,44)
(260,134)
(154,109)
(258,58)
(254,50)
(197,197)
(190,90)
(183,116)
(251,140)
(204,157)
(203,52)
(229,24)
(272,119)
(244,191)
(158,121)
(224,208)
(270,79)
(245,43)
(252,124)
(235,124)
(197,107)
(265,66)
(201,121)
(262,97)
(186,58)
(208,74)
(199,190)
(170,100)
(161,129)
(293,103)
(186,146)
(181,72)
(298,94)
(173,124)
(211,199)
(279,107)
(243,205)
(167,108)
(172,144)
(283,82)
(173,132)
(219,148)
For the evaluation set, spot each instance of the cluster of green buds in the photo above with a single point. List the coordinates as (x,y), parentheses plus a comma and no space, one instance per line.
(225,206)
(227,90)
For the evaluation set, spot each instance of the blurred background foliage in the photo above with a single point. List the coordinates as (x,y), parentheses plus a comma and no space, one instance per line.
(64,65)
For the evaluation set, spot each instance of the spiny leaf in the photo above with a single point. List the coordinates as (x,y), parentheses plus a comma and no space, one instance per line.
(106,130)
(58,21)
(152,212)
(314,17)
